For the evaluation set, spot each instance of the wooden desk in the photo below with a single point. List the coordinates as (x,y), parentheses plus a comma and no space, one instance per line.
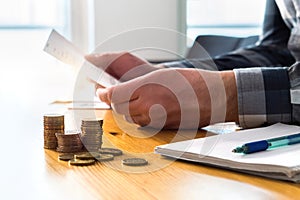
(30,172)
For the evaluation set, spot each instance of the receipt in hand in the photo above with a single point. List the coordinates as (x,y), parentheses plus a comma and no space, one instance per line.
(65,51)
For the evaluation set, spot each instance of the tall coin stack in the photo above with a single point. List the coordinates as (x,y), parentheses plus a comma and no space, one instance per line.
(68,143)
(53,123)
(91,134)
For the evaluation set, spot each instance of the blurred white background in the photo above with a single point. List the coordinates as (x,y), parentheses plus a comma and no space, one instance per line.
(30,79)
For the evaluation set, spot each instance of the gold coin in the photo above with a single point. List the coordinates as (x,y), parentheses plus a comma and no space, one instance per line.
(86,156)
(79,162)
(66,156)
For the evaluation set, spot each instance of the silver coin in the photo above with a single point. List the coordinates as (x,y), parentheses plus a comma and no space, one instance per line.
(135,162)
(115,152)
(105,157)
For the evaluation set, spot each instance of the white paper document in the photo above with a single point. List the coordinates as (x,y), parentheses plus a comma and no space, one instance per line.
(65,51)
(279,163)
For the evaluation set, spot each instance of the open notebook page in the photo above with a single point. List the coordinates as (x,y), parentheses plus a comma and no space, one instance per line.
(217,150)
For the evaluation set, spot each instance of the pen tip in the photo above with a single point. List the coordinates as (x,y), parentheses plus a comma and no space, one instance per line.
(238,150)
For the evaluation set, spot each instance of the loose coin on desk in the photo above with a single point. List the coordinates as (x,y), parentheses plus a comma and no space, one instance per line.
(66,156)
(79,162)
(87,155)
(105,157)
(94,155)
(135,162)
(115,152)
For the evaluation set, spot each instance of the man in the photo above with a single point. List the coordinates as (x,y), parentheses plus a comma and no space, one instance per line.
(254,86)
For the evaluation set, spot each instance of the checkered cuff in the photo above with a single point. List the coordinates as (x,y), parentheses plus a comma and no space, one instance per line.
(263,96)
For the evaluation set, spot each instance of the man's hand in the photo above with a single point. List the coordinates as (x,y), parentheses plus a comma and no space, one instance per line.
(122,65)
(175,98)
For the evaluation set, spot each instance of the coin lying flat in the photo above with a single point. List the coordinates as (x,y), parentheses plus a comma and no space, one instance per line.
(78,162)
(115,152)
(135,162)
(66,156)
(87,155)
(105,157)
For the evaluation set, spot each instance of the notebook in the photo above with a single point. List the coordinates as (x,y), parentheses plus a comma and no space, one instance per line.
(281,163)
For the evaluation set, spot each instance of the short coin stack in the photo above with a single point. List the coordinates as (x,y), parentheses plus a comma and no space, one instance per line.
(53,123)
(85,158)
(68,143)
(91,134)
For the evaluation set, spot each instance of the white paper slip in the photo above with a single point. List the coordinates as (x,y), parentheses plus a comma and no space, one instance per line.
(222,128)
(65,51)
(83,105)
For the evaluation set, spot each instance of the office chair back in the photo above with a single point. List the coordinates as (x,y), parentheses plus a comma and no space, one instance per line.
(215,45)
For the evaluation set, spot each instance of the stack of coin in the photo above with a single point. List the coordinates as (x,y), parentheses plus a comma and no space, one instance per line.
(53,123)
(91,134)
(68,143)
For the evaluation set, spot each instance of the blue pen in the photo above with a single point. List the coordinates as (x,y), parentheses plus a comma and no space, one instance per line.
(263,145)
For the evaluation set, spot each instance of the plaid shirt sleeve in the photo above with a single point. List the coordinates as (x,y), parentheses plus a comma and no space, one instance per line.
(270,95)
(263,96)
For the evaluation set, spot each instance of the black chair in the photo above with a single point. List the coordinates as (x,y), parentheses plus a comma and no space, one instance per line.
(215,45)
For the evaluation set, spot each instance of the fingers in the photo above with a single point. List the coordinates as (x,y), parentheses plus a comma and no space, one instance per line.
(103,94)
(141,120)
(118,95)
(105,61)
(133,107)
(122,65)
(123,97)
(98,86)
(125,92)
(133,110)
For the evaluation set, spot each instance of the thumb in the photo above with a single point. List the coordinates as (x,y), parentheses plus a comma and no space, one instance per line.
(124,92)
(104,94)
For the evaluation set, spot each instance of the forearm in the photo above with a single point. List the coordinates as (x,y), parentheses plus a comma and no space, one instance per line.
(231,96)
(252,97)
(216,93)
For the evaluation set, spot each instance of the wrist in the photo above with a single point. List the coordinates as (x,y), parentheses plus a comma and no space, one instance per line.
(231,96)
(160,66)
